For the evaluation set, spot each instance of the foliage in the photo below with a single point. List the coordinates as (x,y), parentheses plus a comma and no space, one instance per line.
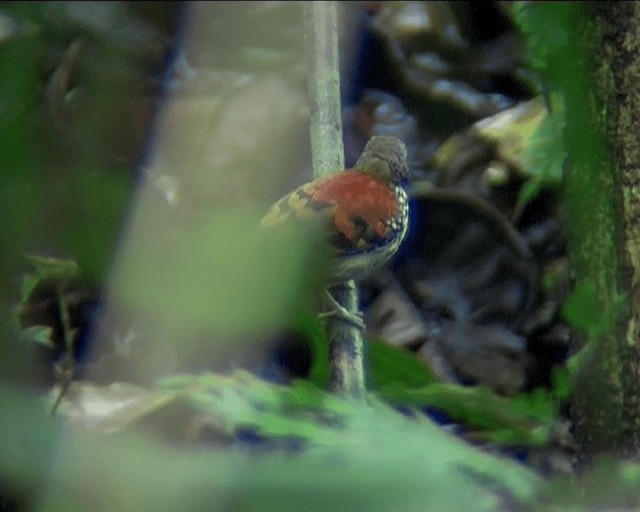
(64,273)
(350,451)
(53,199)
(355,457)
(543,158)
(555,52)
(576,47)
(401,379)
(524,420)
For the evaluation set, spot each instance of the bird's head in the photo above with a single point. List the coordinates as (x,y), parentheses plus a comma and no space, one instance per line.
(385,157)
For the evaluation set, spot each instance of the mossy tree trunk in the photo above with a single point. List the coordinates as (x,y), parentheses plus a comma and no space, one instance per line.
(603,224)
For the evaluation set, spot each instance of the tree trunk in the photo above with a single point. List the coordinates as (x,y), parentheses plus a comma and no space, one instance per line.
(603,225)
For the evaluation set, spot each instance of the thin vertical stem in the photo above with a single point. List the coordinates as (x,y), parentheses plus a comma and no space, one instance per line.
(346,345)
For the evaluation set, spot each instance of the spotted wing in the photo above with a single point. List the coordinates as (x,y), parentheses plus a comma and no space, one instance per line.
(362,212)
(300,204)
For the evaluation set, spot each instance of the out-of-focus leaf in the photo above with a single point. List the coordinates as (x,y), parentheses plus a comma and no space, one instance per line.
(512,130)
(543,157)
(37,335)
(522,420)
(108,409)
(562,385)
(100,201)
(526,137)
(394,365)
(303,411)
(380,460)
(224,274)
(240,401)
(313,329)
(545,153)
(609,484)
(509,131)
(63,272)
(528,193)
(8,28)
(582,310)
(545,28)
(386,364)
(113,24)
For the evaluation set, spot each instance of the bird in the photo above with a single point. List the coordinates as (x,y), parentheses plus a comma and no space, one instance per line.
(364,212)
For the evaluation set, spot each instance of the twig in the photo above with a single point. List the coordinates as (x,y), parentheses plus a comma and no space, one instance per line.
(64,368)
(321,30)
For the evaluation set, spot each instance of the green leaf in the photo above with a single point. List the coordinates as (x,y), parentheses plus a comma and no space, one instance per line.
(314,330)
(562,385)
(38,335)
(304,411)
(109,409)
(225,274)
(544,25)
(512,130)
(545,154)
(528,192)
(394,365)
(378,460)
(241,400)
(387,364)
(521,420)
(100,200)
(62,272)
(583,310)
(543,158)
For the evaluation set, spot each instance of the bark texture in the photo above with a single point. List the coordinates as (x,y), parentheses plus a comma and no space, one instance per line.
(603,213)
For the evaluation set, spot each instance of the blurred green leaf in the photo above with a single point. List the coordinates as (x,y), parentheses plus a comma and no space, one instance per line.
(545,153)
(562,385)
(530,139)
(386,364)
(545,27)
(395,365)
(512,130)
(398,377)
(525,419)
(38,335)
(608,484)
(314,330)
(111,408)
(223,274)
(62,272)
(583,310)
(528,192)
(526,137)
(378,460)
(99,200)
(543,158)
(19,93)
(240,400)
